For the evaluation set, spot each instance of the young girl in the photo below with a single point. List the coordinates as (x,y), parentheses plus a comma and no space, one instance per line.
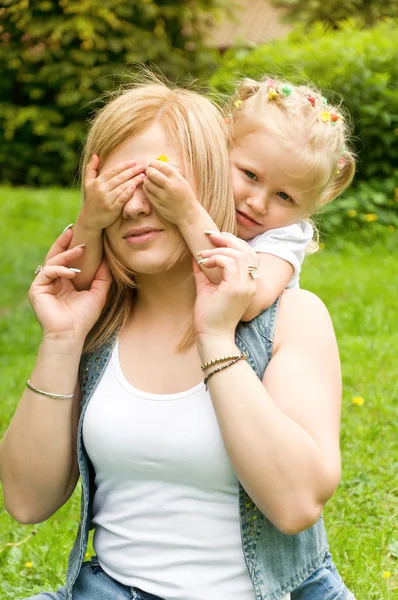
(289,156)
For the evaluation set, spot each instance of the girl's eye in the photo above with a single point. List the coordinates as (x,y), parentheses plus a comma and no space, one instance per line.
(284,196)
(249,174)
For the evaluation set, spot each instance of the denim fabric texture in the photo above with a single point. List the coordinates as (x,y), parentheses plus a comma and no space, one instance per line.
(94,584)
(277,563)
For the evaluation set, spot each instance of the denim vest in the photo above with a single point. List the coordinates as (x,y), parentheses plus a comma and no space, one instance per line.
(277,563)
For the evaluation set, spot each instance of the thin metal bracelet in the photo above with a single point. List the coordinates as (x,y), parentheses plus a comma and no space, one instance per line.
(47,394)
(210,363)
(242,356)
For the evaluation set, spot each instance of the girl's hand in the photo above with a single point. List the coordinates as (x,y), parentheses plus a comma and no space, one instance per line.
(219,308)
(105,195)
(169,192)
(61,310)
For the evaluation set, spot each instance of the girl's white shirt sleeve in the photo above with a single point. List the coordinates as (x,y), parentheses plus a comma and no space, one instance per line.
(288,243)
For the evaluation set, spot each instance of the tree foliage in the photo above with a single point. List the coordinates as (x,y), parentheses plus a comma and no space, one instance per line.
(367,12)
(58,56)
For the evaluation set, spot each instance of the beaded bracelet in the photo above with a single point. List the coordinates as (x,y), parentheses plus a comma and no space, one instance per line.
(215,361)
(242,356)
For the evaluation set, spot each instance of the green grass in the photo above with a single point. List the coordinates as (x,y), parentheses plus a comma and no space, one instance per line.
(358,283)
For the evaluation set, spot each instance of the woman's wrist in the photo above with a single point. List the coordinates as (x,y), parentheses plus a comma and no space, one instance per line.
(213,346)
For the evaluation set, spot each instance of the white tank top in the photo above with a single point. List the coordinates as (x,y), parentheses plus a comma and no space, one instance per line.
(166,506)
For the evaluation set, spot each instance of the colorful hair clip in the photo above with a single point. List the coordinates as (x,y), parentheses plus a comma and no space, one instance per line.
(272,94)
(286,90)
(238,103)
(334,118)
(163,158)
(323,100)
(311,100)
(270,83)
(325,116)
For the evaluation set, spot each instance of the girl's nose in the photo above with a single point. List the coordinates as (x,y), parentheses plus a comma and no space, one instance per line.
(258,203)
(137,205)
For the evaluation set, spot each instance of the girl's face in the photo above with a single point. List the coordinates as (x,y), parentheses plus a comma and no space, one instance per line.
(269,187)
(139,237)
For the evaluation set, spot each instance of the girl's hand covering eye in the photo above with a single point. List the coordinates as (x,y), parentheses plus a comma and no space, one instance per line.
(169,192)
(106,194)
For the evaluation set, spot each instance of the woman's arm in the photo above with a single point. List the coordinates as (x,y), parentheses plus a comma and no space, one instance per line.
(38,463)
(282,434)
(38,459)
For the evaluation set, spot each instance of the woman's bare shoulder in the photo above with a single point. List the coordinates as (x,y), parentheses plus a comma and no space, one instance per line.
(301,313)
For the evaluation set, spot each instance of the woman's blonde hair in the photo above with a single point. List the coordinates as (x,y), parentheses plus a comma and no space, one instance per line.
(303,120)
(199,131)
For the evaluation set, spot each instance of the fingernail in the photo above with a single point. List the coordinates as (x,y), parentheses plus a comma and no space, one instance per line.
(74,270)
(202,260)
(227,233)
(212,232)
(80,246)
(68,227)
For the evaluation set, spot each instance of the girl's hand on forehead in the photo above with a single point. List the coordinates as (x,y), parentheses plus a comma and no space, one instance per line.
(106,194)
(169,192)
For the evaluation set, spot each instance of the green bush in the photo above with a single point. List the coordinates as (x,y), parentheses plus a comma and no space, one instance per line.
(58,56)
(361,66)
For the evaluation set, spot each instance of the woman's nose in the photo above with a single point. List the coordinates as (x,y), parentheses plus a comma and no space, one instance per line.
(137,205)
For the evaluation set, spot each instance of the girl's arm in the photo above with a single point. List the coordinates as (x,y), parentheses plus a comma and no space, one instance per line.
(104,198)
(281,434)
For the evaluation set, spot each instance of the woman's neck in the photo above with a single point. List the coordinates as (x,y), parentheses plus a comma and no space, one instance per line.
(169,295)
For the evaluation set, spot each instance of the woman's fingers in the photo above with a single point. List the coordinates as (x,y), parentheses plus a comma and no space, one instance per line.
(63,258)
(61,243)
(50,273)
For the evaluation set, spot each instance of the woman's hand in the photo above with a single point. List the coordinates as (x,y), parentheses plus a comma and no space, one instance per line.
(219,308)
(169,192)
(105,195)
(61,310)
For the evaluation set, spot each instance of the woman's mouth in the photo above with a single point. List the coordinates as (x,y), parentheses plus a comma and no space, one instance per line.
(141,235)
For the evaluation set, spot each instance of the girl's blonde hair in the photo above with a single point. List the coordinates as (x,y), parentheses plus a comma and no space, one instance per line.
(199,131)
(302,119)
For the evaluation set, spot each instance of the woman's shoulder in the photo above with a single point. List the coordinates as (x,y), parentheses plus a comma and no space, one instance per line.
(301,314)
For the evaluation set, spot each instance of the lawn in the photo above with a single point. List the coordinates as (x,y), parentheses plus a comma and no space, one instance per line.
(358,283)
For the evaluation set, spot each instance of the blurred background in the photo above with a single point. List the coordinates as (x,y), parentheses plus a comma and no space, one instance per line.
(57,57)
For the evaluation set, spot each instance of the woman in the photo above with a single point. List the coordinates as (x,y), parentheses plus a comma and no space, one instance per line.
(196,491)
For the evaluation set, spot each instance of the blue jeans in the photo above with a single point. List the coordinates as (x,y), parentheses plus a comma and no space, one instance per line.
(94,584)
(324,584)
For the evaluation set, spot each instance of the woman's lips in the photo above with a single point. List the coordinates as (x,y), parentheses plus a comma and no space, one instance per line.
(245,220)
(142,238)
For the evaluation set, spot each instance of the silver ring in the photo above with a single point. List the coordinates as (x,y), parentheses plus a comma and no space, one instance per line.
(38,269)
(253,271)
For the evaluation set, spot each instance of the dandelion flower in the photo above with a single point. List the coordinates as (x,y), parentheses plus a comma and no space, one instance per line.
(386,574)
(163,158)
(352,213)
(29,565)
(370,217)
(358,400)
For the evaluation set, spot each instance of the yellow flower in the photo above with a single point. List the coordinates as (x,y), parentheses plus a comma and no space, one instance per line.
(28,565)
(321,246)
(163,158)
(370,217)
(272,94)
(386,574)
(325,116)
(238,103)
(390,228)
(87,554)
(358,400)
(352,213)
